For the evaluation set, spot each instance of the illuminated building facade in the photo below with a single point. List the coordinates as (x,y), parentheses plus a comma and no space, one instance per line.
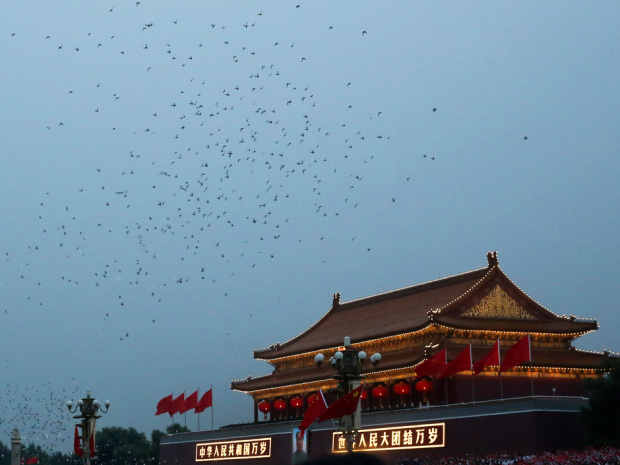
(409,325)
(531,407)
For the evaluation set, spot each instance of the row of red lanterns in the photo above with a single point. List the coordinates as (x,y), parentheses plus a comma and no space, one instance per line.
(379,391)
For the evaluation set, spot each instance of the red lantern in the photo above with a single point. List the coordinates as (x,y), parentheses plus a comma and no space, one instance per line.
(279,404)
(402,388)
(424,385)
(311,398)
(364,394)
(379,391)
(297,402)
(264,407)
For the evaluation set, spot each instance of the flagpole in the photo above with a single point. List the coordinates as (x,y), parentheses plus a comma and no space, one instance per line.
(499,369)
(197,396)
(172,416)
(499,373)
(211,408)
(471,368)
(529,346)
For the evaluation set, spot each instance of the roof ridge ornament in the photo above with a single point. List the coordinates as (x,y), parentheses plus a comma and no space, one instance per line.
(492,259)
(336,300)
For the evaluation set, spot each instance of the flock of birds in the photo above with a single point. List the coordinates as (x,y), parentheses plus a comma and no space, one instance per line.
(212,173)
(250,156)
(38,412)
(209,177)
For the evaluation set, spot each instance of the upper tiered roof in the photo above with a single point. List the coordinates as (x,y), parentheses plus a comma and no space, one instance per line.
(466,301)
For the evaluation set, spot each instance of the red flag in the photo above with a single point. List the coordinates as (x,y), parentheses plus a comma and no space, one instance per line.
(346,405)
(76,443)
(182,408)
(490,359)
(163,406)
(520,352)
(32,460)
(462,362)
(433,366)
(191,401)
(91,442)
(314,411)
(177,405)
(205,402)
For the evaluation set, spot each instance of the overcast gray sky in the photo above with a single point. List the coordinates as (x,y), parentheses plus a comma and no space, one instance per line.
(185,182)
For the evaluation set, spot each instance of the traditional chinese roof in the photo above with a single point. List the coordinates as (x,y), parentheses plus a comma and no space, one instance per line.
(484,299)
(478,304)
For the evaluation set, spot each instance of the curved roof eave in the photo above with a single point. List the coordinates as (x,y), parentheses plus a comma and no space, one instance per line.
(372,340)
(567,328)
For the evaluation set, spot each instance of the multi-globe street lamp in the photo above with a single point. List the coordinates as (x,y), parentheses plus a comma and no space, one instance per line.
(89,408)
(348,365)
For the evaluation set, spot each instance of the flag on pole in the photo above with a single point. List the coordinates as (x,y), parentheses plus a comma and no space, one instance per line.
(191,402)
(433,366)
(205,402)
(462,362)
(163,406)
(76,443)
(314,411)
(32,460)
(520,352)
(346,405)
(91,441)
(177,405)
(490,359)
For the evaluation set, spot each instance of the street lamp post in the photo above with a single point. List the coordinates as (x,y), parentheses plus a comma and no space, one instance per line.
(89,408)
(348,364)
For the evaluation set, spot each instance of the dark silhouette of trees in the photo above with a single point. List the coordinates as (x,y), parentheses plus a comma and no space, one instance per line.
(5,455)
(116,445)
(176,428)
(601,418)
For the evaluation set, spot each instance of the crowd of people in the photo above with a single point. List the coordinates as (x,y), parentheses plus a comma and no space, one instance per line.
(602,456)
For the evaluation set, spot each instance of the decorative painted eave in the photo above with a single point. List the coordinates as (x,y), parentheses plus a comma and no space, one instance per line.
(519,328)
(262,386)
(545,360)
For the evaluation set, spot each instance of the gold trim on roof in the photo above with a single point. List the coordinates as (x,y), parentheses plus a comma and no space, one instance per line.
(498,304)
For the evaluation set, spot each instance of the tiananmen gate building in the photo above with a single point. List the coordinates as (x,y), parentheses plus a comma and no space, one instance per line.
(405,410)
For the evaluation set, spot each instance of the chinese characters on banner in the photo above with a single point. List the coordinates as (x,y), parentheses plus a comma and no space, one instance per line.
(402,437)
(229,450)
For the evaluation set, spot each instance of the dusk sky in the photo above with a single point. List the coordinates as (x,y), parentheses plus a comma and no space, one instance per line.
(185,182)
